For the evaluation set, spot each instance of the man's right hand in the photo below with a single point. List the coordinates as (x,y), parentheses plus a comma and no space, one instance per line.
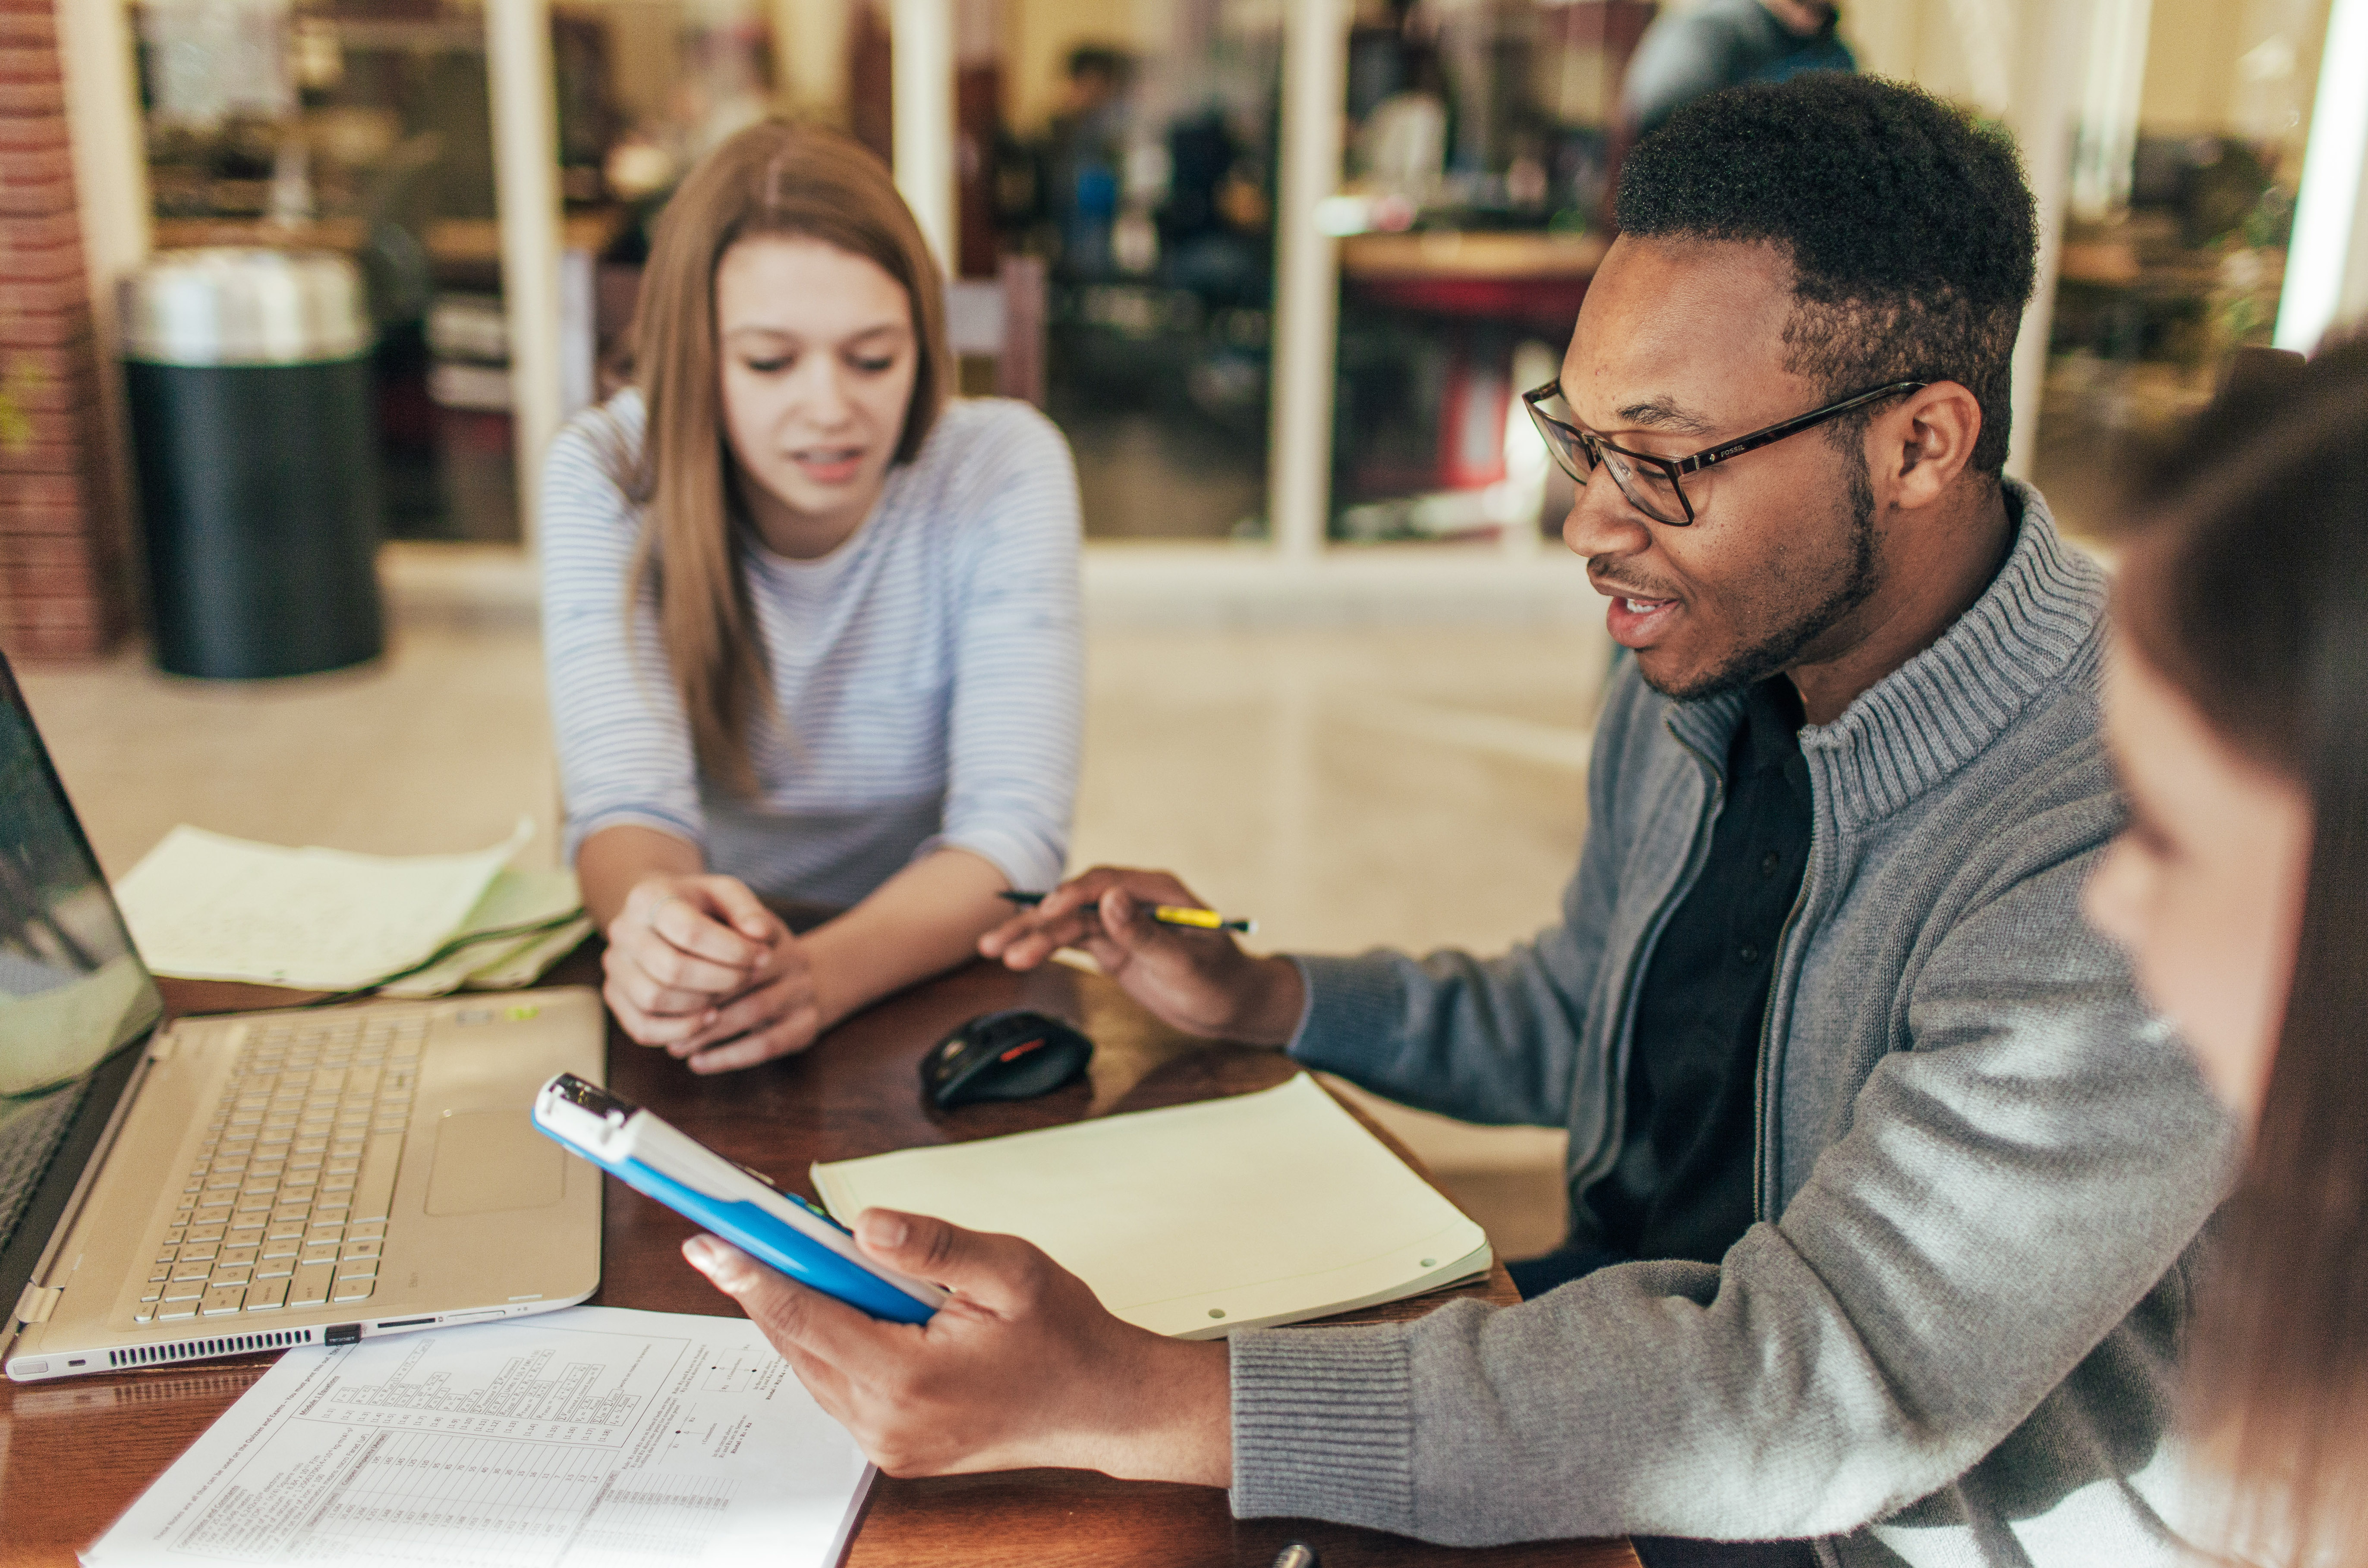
(1200,981)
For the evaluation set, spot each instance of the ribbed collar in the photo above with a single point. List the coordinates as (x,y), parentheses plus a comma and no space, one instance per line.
(1911,730)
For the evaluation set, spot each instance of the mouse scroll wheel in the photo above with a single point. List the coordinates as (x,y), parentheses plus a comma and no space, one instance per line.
(1018,1051)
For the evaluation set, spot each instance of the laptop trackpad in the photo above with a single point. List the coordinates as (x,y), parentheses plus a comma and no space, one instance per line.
(489,1160)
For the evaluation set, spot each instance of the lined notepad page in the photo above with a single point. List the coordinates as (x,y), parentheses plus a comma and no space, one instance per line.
(1195,1220)
(534,907)
(206,906)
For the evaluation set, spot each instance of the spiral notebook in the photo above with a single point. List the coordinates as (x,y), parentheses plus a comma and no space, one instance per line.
(1195,1220)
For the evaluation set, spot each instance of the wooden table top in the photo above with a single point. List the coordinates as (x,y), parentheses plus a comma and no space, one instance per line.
(74,1454)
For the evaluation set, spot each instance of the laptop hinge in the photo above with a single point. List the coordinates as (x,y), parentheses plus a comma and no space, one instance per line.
(37,1303)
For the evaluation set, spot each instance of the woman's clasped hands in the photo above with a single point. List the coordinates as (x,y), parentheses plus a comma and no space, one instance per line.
(698,965)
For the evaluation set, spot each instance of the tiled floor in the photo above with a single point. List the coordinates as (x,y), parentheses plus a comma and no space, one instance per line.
(1347,788)
(440,745)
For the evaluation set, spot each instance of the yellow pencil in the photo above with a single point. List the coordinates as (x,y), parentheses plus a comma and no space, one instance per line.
(1181,914)
(1200,919)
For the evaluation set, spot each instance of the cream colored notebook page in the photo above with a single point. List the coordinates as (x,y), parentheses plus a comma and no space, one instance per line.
(1198,1220)
(210,908)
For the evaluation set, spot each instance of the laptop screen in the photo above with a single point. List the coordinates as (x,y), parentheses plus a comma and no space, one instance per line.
(73,991)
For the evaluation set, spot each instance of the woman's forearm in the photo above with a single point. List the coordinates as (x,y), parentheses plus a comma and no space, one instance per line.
(925,919)
(610,863)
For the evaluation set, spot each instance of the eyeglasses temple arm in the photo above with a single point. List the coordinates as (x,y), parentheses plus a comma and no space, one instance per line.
(1773,433)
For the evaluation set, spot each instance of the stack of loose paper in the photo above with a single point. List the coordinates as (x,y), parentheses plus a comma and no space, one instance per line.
(1196,1221)
(527,921)
(587,1439)
(204,907)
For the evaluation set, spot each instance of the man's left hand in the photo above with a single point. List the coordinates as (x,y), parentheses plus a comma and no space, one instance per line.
(1021,1368)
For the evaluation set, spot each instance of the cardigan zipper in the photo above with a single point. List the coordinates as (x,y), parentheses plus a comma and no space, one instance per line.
(1695,853)
(1761,1079)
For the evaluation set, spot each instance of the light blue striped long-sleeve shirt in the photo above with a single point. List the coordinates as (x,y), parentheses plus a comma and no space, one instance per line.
(927,675)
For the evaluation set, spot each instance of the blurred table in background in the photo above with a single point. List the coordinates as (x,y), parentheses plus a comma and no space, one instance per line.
(1471,298)
(347,236)
(1526,276)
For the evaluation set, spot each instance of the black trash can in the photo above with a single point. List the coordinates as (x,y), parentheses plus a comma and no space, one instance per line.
(249,379)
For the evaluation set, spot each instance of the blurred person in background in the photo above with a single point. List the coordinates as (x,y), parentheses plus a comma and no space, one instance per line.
(1083,156)
(811,622)
(1687,54)
(1724,44)
(2236,702)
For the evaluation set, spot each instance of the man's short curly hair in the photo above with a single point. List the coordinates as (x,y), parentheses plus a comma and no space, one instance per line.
(1911,233)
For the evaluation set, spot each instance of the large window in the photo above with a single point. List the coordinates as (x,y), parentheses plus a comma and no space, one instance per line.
(2181,204)
(1133,149)
(1118,170)
(365,127)
(2182,127)
(362,130)
(1481,136)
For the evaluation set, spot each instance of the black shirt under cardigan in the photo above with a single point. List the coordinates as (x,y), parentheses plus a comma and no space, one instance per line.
(1681,1187)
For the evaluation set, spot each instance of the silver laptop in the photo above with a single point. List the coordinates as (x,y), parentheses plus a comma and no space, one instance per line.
(251,1181)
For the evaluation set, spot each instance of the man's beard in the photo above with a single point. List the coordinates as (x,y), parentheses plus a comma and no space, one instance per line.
(1750,665)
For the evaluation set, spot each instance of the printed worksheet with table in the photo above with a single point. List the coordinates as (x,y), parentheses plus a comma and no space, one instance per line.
(589,1439)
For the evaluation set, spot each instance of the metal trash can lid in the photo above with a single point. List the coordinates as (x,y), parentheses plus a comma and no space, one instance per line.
(228,305)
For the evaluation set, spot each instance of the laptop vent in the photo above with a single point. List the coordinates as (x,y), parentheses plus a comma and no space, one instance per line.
(197,1350)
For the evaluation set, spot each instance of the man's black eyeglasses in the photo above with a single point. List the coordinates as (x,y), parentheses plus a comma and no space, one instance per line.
(1654,485)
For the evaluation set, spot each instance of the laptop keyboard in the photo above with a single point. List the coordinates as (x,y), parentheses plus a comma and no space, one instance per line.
(286,1205)
(29,1137)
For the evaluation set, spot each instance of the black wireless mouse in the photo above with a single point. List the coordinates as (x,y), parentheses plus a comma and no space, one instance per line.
(1013,1055)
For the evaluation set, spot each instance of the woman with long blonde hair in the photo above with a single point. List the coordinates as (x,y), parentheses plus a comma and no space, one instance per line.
(810,619)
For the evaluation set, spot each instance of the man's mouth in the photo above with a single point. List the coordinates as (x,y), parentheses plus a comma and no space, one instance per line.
(1637,620)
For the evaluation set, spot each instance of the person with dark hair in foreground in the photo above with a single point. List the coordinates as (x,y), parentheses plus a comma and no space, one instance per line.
(2240,889)
(1883,1182)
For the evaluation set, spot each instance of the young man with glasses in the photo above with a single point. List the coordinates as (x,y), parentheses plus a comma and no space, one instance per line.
(1884,1186)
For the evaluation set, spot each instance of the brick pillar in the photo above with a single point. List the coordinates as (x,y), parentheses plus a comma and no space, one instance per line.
(64,579)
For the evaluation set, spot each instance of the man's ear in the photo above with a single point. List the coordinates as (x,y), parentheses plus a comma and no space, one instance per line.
(1926,442)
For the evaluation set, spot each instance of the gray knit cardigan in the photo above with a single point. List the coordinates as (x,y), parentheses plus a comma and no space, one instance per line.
(1951,1336)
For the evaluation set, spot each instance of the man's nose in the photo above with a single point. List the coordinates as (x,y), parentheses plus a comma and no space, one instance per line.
(1601,522)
